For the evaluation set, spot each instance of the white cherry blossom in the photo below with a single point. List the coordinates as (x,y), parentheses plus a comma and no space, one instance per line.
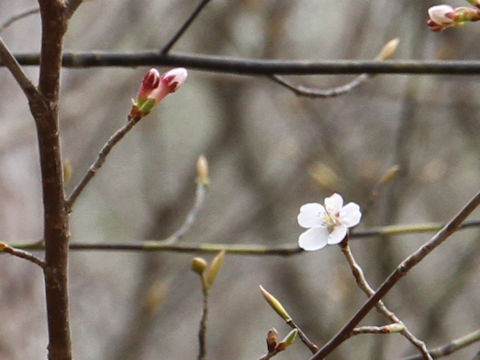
(327,224)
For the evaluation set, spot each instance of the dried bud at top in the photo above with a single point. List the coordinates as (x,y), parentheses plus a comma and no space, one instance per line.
(390,174)
(202,170)
(388,49)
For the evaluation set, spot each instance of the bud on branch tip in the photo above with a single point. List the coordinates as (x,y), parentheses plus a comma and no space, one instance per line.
(441,17)
(275,304)
(154,88)
(213,269)
(202,170)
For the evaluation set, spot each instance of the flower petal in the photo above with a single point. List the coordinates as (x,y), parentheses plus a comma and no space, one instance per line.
(337,235)
(334,203)
(350,214)
(311,215)
(439,13)
(313,239)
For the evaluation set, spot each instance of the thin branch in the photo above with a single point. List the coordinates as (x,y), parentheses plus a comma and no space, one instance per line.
(21,254)
(11,63)
(191,217)
(397,274)
(202,331)
(451,347)
(102,155)
(408,229)
(368,290)
(385,53)
(19,16)
(301,90)
(245,66)
(287,249)
(313,348)
(184,27)
(205,248)
(374,330)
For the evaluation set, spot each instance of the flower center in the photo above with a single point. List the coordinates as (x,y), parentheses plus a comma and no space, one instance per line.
(330,220)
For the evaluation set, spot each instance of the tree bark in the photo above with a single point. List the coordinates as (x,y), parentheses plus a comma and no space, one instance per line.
(56,225)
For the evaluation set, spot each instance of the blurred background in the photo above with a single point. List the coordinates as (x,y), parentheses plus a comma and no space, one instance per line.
(269,152)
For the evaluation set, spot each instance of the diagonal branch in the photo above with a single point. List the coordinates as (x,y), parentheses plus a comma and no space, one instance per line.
(97,164)
(21,254)
(381,307)
(397,274)
(451,347)
(184,27)
(191,217)
(11,63)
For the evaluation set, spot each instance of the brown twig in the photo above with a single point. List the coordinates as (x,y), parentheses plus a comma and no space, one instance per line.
(16,70)
(102,155)
(202,331)
(368,290)
(397,274)
(21,254)
(313,348)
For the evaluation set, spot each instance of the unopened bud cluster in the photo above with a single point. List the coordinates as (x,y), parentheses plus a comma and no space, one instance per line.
(154,88)
(441,17)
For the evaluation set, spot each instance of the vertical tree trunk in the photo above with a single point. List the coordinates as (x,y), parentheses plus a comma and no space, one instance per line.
(56,227)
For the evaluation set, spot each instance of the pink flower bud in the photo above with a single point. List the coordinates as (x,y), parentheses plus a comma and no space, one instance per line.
(442,15)
(174,78)
(155,87)
(150,81)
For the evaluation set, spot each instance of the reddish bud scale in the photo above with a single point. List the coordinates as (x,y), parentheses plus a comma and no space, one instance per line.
(272,337)
(151,80)
(155,87)
(171,86)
